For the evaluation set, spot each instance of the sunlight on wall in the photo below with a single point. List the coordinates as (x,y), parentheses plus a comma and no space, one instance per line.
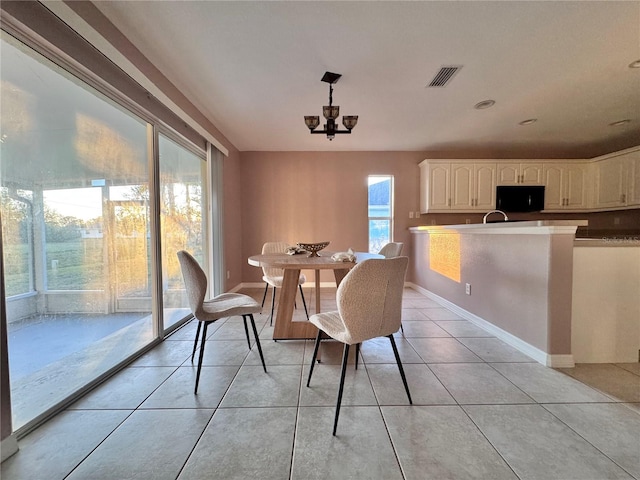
(444,253)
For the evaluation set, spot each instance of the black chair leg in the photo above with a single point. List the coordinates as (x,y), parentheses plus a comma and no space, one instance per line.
(195,342)
(246,330)
(402,329)
(357,354)
(304,303)
(404,379)
(273,304)
(204,338)
(315,355)
(255,334)
(266,287)
(345,356)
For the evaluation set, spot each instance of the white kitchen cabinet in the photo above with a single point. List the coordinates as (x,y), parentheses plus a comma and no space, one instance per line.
(566,186)
(461,187)
(617,181)
(435,180)
(473,186)
(520,174)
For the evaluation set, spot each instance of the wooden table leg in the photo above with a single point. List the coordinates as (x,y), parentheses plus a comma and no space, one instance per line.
(284,327)
(317,291)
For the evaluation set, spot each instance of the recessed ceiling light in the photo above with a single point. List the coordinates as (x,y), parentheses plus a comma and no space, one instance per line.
(484,104)
(635,64)
(620,122)
(529,121)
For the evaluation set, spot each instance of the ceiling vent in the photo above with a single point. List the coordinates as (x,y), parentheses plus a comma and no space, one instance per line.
(444,75)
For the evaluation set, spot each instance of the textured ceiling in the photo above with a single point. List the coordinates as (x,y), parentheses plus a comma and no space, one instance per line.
(254,69)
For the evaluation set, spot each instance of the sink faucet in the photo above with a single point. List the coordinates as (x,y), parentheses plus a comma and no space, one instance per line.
(484,219)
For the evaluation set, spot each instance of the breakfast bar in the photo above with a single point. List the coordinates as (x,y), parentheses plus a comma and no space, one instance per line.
(512,278)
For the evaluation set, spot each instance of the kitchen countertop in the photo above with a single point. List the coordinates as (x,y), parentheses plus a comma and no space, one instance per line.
(528,227)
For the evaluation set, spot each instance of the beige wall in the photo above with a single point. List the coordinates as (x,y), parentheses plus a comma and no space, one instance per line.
(320,196)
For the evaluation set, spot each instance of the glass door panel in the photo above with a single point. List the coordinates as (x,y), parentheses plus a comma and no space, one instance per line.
(183,205)
(73,180)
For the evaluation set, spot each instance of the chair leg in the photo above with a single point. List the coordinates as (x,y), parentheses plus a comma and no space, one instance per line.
(266,287)
(404,379)
(255,334)
(246,330)
(273,304)
(357,354)
(304,303)
(195,342)
(345,355)
(202,342)
(315,355)
(402,329)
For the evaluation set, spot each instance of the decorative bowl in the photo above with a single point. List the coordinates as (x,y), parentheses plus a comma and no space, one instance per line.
(313,248)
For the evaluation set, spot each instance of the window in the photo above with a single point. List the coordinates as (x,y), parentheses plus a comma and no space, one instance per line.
(380,208)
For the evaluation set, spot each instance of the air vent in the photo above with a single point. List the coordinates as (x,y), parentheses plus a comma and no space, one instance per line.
(444,75)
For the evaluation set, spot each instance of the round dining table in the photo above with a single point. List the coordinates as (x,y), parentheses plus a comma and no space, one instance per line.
(284,326)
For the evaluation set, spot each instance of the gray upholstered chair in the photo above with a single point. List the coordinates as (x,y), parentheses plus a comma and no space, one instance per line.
(391,249)
(221,306)
(369,302)
(274,277)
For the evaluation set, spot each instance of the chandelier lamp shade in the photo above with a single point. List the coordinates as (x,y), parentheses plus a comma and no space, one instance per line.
(331,113)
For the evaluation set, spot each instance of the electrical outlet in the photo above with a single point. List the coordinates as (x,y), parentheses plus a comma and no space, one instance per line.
(410,214)
(467,288)
(467,221)
(417,214)
(616,220)
(433,222)
(228,274)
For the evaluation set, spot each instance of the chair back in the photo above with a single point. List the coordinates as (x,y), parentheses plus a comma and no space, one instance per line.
(274,247)
(195,281)
(370,298)
(391,249)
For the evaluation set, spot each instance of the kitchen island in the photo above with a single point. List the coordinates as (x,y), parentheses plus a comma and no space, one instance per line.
(515,279)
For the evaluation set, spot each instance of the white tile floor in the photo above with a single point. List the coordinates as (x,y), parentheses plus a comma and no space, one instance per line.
(481,410)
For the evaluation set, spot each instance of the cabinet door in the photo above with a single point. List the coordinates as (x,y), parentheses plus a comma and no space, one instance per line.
(553,191)
(439,185)
(575,186)
(531,173)
(610,183)
(633,180)
(462,186)
(508,173)
(485,187)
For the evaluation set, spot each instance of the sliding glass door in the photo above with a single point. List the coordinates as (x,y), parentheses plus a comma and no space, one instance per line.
(182,213)
(77,215)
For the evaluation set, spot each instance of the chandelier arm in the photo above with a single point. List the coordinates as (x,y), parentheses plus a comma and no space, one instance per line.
(332,132)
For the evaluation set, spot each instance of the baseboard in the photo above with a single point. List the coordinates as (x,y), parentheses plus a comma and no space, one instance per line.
(8,447)
(555,361)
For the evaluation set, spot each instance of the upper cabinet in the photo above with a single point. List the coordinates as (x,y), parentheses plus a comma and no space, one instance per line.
(520,174)
(458,186)
(566,187)
(617,181)
(473,186)
(435,184)
(605,183)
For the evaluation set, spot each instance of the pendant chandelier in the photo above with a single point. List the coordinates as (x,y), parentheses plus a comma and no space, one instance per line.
(331,113)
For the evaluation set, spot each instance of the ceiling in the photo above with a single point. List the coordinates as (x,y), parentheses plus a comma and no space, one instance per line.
(254,69)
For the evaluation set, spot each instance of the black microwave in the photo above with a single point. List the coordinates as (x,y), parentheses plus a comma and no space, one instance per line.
(520,198)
